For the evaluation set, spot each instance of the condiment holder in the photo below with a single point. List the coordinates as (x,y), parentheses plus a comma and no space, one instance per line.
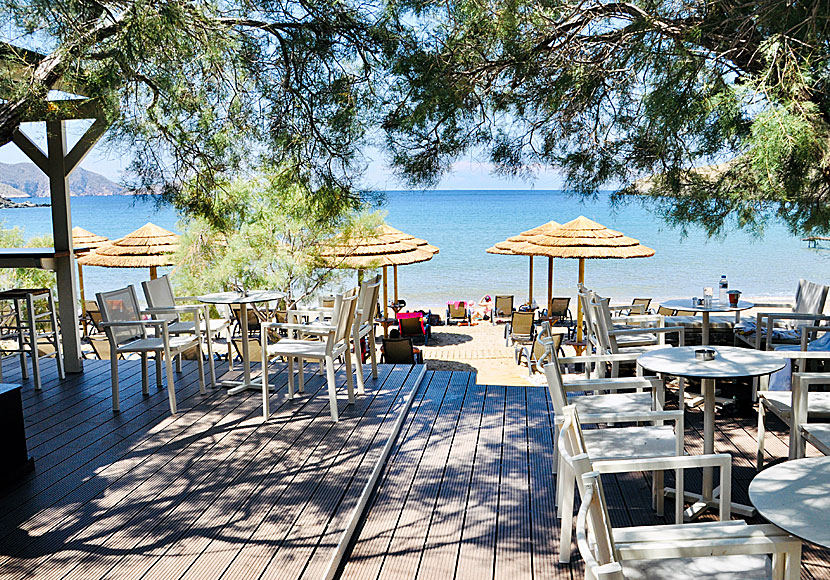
(704,354)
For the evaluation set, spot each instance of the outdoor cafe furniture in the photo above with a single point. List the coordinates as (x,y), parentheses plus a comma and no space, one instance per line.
(724,550)
(127,333)
(815,405)
(335,342)
(161,302)
(458,312)
(502,308)
(242,300)
(795,496)
(728,363)
(520,329)
(26,327)
(688,304)
(653,440)
(770,328)
(578,461)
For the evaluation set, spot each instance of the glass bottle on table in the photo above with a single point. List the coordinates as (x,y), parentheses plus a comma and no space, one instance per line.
(723,286)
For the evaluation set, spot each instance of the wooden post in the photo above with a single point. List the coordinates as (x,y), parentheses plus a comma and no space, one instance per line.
(530,284)
(153,272)
(550,283)
(83,299)
(579,347)
(385,304)
(395,276)
(58,173)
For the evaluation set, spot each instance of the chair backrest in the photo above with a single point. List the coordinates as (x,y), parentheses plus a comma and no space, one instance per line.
(159,294)
(327,301)
(685,313)
(344,309)
(602,323)
(594,534)
(367,300)
(663,311)
(100,345)
(457,309)
(639,304)
(521,323)
(559,306)
(503,305)
(556,385)
(809,299)
(585,297)
(543,344)
(120,305)
(411,323)
(398,351)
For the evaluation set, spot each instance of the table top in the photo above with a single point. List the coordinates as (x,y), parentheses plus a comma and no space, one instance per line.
(795,496)
(729,362)
(686,304)
(239,298)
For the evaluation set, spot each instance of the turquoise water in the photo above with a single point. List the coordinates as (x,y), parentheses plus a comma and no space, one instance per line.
(465,223)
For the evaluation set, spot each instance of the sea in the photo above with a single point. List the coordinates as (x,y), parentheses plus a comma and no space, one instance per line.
(463,224)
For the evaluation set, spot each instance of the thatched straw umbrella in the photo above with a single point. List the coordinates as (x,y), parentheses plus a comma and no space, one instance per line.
(85,241)
(148,247)
(507,247)
(583,239)
(388,247)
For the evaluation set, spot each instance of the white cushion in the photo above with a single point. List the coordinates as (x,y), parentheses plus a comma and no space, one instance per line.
(818,404)
(157,344)
(627,442)
(612,403)
(719,568)
(297,348)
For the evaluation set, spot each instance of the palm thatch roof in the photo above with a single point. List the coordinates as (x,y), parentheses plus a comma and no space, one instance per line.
(84,240)
(583,238)
(147,247)
(387,247)
(507,247)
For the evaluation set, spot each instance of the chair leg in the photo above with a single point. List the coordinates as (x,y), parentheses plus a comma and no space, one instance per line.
(361,387)
(145,379)
(566,525)
(210,358)
(179,363)
(158,370)
(331,388)
(762,432)
(373,353)
(555,448)
(349,377)
(290,377)
(659,496)
(301,373)
(201,365)
(114,378)
(266,402)
(171,385)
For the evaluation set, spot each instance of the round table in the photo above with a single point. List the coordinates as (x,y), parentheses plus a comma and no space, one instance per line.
(795,496)
(729,362)
(243,299)
(686,304)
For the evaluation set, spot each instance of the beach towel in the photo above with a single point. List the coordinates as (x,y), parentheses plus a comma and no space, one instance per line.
(782,380)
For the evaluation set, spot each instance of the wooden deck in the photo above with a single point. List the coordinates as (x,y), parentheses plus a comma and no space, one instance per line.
(210,493)
(214,492)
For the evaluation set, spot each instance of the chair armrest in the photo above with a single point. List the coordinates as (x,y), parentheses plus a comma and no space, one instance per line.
(651,330)
(641,318)
(612,385)
(721,460)
(186,298)
(135,323)
(641,417)
(307,328)
(174,309)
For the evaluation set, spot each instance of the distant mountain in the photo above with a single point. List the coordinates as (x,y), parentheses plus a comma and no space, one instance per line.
(10,192)
(30,180)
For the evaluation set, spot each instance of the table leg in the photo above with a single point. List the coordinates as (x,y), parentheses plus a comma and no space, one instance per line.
(239,386)
(705,331)
(708,387)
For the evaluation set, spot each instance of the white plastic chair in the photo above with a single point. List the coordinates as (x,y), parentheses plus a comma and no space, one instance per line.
(335,342)
(127,332)
(804,403)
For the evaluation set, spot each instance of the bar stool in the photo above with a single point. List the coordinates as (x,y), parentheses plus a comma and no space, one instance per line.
(25,330)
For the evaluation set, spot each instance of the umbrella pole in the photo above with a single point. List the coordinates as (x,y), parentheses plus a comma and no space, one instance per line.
(579,346)
(385,304)
(83,300)
(395,276)
(359,276)
(550,283)
(153,273)
(530,285)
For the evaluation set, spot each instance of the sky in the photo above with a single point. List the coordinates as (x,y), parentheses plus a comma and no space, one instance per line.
(467,173)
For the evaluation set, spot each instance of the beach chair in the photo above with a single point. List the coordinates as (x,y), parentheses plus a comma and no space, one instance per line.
(771,328)
(127,333)
(335,341)
(637,306)
(457,312)
(411,325)
(400,351)
(538,353)
(502,309)
(520,329)
(722,550)
(796,408)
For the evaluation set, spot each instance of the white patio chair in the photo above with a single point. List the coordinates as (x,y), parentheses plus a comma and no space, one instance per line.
(127,333)
(161,303)
(772,328)
(335,342)
(729,550)
(804,403)
(571,443)
(364,327)
(655,440)
(538,353)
